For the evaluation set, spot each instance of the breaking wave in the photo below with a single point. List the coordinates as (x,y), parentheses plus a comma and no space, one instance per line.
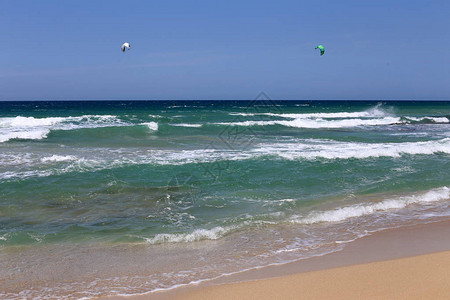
(151,125)
(317,123)
(348,150)
(371,117)
(335,215)
(344,213)
(196,235)
(187,125)
(98,159)
(38,128)
(36,134)
(432,119)
(58,158)
(375,112)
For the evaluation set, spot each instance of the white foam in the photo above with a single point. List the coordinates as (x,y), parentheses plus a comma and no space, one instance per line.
(374,112)
(25,174)
(35,134)
(317,123)
(187,125)
(151,125)
(434,119)
(343,150)
(15,159)
(440,119)
(344,213)
(38,128)
(58,158)
(197,235)
(309,115)
(338,115)
(28,122)
(373,116)
(243,114)
(93,159)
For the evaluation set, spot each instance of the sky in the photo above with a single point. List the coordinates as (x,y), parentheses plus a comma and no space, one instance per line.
(207,50)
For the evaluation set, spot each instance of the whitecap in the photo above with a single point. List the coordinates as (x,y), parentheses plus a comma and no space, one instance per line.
(358,210)
(196,235)
(58,158)
(342,150)
(38,128)
(187,125)
(151,125)
(34,134)
(317,123)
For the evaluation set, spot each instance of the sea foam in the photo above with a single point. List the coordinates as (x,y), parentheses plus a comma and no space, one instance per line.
(151,125)
(375,112)
(316,123)
(58,158)
(358,210)
(100,159)
(187,125)
(342,150)
(196,235)
(31,128)
(36,134)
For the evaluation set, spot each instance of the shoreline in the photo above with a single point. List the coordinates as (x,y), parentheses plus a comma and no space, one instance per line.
(399,250)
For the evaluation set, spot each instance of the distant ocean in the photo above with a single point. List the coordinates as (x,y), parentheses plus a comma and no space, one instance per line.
(128,197)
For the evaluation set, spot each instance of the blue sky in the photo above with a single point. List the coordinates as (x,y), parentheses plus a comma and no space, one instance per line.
(377,50)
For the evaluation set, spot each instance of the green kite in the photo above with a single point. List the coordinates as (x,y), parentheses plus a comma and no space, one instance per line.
(321,48)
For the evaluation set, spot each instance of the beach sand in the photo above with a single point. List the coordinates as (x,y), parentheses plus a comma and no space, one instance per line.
(418,277)
(405,263)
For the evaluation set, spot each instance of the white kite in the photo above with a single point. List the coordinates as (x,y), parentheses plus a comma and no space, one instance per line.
(125,45)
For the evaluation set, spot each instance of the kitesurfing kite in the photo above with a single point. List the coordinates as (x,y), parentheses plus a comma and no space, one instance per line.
(125,45)
(321,48)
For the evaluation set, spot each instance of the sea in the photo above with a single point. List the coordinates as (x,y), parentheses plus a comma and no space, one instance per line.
(105,198)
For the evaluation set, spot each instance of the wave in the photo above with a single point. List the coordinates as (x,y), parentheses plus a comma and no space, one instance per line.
(100,159)
(151,125)
(36,134)
(196,235)
(427,119)
(38,128)
(327,120)
(337,115)
(345,213)
(187,125)
(27,122)
(344,150)
(58,158)
(16,159)
(336,215)
(317,123)
(371,117)
(375,112)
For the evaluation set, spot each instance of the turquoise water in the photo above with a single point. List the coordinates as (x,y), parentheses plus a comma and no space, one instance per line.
(291,178)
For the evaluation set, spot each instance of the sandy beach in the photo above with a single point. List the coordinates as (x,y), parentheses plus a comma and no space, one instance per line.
(418,277)
(405,263)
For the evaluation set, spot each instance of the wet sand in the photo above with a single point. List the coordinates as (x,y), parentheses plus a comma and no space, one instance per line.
(404,263)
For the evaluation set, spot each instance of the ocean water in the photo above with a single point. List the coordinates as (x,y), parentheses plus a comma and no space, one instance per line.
(129,197)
